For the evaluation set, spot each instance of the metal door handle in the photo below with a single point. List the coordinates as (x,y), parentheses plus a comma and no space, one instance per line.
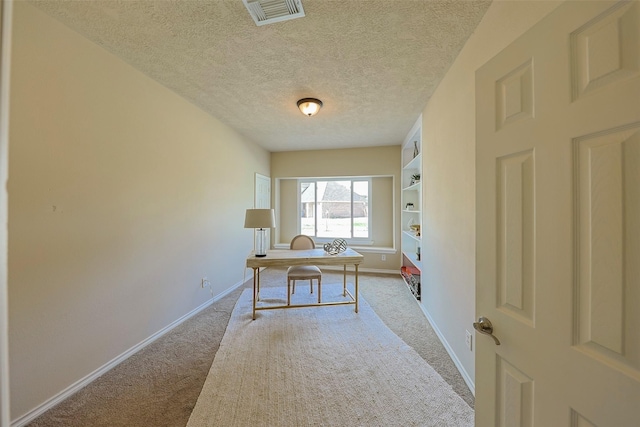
(484,326)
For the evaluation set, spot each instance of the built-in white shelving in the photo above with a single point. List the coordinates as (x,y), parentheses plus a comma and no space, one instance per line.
(411,209)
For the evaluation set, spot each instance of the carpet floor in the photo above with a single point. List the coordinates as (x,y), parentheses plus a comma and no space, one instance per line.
(327,366)
(159,385)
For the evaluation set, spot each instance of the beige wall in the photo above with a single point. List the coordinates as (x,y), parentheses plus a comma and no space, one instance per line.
(448,279)
(120,201)
(287,210)
(117,202)
(346,162)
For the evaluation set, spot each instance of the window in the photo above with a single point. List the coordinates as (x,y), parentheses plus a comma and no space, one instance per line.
(332,208)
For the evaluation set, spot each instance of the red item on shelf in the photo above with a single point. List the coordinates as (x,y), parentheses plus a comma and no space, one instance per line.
(408,270)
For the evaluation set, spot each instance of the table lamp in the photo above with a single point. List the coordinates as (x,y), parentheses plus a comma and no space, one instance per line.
(260,219)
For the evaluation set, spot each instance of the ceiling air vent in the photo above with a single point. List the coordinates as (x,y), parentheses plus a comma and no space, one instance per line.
(269,11)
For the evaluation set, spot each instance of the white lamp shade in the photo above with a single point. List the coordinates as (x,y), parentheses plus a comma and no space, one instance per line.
(260,218)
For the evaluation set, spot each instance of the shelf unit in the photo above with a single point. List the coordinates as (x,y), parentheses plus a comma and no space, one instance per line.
(411,209)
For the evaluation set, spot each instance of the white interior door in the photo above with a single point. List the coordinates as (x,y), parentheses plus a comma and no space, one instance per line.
(558,225)
(263,198)
(5,38)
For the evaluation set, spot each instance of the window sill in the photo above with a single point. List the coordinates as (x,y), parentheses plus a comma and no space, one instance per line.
(364,249)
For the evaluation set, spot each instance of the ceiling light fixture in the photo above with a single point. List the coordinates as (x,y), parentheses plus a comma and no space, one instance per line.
(309,106)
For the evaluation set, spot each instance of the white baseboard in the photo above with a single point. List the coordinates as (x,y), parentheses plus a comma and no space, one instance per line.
(465,375)
(83,382)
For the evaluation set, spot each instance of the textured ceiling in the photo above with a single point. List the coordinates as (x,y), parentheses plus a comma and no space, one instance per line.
(374,63)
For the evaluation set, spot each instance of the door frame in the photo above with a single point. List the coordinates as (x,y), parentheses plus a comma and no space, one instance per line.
(6,15)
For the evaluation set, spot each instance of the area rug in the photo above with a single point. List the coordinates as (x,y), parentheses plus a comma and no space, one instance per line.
(320,366)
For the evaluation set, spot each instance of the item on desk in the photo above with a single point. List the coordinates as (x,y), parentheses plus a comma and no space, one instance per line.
(335,247)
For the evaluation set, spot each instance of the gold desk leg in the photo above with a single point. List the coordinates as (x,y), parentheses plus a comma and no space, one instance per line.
(256,286)
(258,294)
(344,281)
(356,265)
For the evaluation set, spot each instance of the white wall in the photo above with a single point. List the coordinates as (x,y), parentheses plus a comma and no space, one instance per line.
(116,201)
(122,196)
(448,279)
(369,161)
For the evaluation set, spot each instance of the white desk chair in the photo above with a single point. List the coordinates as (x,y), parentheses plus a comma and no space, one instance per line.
(302,272)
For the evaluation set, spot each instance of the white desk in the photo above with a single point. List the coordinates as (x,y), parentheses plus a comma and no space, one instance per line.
(287,258)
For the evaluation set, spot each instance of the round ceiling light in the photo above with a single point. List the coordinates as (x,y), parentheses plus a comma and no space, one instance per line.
(309,106)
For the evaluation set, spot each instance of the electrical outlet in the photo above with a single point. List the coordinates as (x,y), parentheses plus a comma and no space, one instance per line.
(203,282)
(384,257)
(468,340)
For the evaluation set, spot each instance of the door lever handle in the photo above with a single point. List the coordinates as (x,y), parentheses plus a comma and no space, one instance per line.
(484,326)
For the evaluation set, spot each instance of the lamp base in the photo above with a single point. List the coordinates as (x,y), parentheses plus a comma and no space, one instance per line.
(261,243)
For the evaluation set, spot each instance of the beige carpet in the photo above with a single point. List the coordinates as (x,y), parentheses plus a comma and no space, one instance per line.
(159,386)
(321,366)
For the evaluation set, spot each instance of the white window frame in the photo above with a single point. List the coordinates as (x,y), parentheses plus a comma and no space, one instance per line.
(352,240)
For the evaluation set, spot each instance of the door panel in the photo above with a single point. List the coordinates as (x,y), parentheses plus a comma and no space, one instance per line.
(514,96)
(262,200)
(558,222)
(515,241)
(262,192)
(607,206)
(605,50)
(515,392)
